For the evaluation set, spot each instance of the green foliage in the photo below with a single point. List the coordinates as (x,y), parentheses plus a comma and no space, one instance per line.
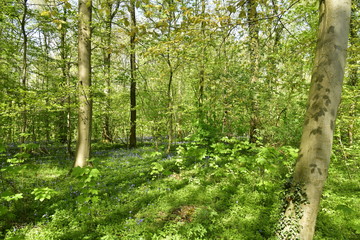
(89,193)
(43,193)
(216,185)
(228,190)
(8,196)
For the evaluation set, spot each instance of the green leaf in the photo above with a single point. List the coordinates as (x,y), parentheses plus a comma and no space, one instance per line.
(137,4)
(81,199)
(2,148)
(3,210)
(15,160)
(356,228)
(94,173)
(167,173)
(14,197)
(79,172)
(67,5)
(43,193)
(231,9)
(94,191)
(126,22)
(95,199)
(345,209)
(45,14)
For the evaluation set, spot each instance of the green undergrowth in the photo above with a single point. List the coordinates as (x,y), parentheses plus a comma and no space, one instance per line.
(227,189)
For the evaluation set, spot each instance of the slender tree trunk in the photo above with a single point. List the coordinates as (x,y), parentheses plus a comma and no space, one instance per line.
(202,63)
(254,68)
(170,103)
(62,118)
(272,59)
(46,85)
(83,147)
(132,76)
(170,19)
(65,121)
(24,72)
(68,110)
(311,170)
(106,132)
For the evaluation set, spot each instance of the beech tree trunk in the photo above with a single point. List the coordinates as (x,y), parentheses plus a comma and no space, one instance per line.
(85,102)
(311,170)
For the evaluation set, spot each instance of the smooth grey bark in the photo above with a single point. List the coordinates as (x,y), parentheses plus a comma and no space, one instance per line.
(83,147)
(311,170)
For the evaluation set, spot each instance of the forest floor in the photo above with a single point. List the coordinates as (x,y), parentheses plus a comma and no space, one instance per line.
(225,190)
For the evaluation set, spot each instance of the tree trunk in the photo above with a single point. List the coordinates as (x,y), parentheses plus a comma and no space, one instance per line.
(132,76)
(46,86)
(170,19)
(66,135)
(272,59)
(254,69)
(202,63)
(85,102)
(311,170)
(170,103)
(24,72)
(68,109)
(62,118)
(110,14)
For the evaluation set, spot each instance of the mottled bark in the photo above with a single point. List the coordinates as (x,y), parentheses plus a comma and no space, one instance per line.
(85,102)
(311,170)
